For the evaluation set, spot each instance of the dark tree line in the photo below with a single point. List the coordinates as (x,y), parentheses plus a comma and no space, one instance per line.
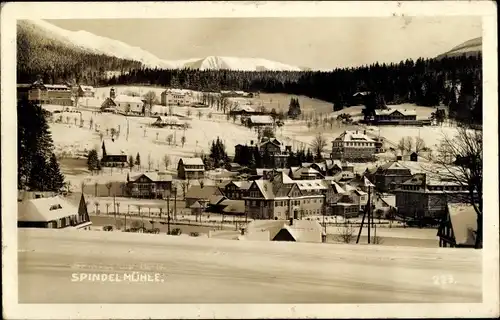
(455,82)
(38,168)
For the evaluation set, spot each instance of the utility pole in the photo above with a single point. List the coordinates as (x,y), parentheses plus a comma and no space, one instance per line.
(114,206)
(369,213)
(168,214)
(175,203)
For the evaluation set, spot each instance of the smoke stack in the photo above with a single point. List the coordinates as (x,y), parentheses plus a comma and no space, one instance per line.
(291,221)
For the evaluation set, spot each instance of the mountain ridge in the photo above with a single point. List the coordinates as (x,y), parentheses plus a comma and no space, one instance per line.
(87,41)
(469,47)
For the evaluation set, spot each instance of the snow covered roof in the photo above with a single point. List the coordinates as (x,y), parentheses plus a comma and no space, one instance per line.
(311,184)
(87,88)
(114,147)
(196,205)
(464,223)
(45,209)
(336,187)
(197,192)
(167,119)
(57,87)
(300,230)
(127,99)
(234,206)
(154,176)
(261,119)
(192,161)
(387,112)
(349,136)
(266,188)
(393,165)
(244,107)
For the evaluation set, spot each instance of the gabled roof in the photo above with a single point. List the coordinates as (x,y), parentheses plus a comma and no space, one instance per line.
(234,206)
(127,99)
(114,147)
(300,230)
(266,188)
(87,88)
(192,161)
(45,209)
(168,119)
(197,192)
(216,199)
(196,205)
(405,112)
(464,223)
(337,189)
(244,107)
(310,184)
(393,165)
(349,136)
(153,176)
(243,185)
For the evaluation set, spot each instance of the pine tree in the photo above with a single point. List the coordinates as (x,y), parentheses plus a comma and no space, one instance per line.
(131,161)
(39,176)
(56,177)
(34,145)
(93,160)
(138,160)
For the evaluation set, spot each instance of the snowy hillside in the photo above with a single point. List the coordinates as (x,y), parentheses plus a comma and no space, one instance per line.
(101,45)
(470,47)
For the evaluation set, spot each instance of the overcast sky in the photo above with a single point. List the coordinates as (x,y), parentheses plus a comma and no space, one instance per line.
(318,43)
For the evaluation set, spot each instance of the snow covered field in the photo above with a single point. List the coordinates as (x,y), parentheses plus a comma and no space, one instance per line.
(71,140)
(204,270)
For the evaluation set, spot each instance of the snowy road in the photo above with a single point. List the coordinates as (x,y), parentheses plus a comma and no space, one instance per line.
(196,270)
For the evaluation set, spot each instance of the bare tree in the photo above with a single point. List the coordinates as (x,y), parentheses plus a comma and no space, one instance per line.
(346,233)
(419,145)
(319,144)
(151,99)
(405,145)
(461,160)
(166,161)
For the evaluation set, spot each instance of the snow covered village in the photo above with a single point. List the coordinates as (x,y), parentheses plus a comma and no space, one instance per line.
(355,184)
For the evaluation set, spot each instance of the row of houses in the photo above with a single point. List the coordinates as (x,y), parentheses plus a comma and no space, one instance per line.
(57,94)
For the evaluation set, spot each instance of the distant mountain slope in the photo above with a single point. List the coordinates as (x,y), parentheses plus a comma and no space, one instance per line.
(243,64)
(56,58)
(470,47)
(89,42)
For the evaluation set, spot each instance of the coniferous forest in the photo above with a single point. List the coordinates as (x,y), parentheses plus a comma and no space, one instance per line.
(453,82)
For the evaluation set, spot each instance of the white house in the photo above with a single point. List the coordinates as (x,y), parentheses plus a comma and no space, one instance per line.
(128,104)
(54,213)
(176,97)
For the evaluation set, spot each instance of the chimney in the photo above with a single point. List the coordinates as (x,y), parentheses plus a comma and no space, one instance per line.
(291,221)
